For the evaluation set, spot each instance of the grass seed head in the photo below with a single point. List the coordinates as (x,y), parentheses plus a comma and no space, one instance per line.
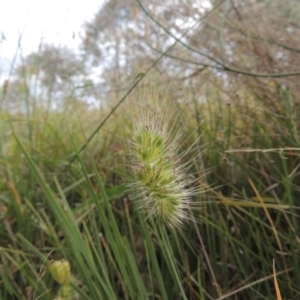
(60,271)
(162,187)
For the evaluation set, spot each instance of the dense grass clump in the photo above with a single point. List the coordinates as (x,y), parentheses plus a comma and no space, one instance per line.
(83,214)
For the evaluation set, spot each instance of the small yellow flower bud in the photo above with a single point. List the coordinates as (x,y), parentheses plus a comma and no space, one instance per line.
(60,271)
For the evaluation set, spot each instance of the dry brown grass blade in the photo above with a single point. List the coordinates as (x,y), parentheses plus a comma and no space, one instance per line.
(278,295)
(225,296)
(267,213)
(17,196)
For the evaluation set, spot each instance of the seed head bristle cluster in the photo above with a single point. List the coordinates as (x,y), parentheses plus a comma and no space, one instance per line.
(162,186)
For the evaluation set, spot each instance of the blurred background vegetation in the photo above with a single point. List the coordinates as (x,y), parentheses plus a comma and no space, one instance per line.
(234,66)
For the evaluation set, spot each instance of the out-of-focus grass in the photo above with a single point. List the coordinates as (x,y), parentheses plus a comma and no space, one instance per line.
(86,216)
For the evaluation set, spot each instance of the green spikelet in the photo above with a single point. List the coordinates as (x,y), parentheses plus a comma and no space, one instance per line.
(60,271)
(161,184)
(66,292)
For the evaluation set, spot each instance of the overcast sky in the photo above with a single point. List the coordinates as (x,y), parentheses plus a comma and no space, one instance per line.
(55,21)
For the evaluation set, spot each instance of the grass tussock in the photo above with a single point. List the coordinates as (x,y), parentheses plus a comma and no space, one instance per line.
(85,215)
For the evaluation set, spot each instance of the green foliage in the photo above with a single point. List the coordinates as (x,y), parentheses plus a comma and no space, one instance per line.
(86,217)
(64,172)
